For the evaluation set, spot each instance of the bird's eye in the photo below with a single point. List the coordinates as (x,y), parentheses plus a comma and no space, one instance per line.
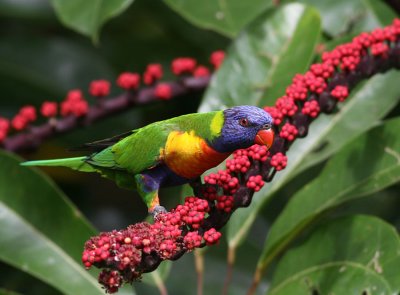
(244,122)
(266,126)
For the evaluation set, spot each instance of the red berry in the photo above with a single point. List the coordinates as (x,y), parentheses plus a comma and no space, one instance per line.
(128,80)
(4,124)
(201,71)
(28,112)
(216,58)
(212,236)
(378,35)
(258,152)
(74,95)
(279,161)
(314,83)
(80,108)
(364,39)
(65,108)
(163,91)
(19,122)
(49,109)
(340,92)
(192,240)
(183,65)
(349,63)
(323,70)
(379,49)
(288,132)
(99,88)
(229,183)
(153,73)
(255,182)
(276,114)
(332,57)
(286,106)
(297,91)
(225,203)
(238,164)
(311,108)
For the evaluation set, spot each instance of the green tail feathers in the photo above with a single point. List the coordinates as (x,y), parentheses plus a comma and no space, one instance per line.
(77,163)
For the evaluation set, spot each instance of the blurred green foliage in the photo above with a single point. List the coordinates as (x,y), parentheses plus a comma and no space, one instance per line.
(49,47)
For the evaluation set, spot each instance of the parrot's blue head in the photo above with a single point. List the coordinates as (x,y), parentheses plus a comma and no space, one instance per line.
(244,126)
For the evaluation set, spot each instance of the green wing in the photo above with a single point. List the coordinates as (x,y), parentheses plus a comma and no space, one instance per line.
(141,148)
(136,152)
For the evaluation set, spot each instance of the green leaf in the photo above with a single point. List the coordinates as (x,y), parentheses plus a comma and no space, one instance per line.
(264,58)
(351,255)
(41,232)
(340,17)
(368,164)
(87,17)
(383,13)
(333,132)
(226,17)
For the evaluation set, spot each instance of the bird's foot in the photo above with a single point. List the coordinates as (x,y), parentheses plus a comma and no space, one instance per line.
(157,210)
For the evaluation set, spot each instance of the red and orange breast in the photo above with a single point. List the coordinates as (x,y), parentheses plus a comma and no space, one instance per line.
(188,155)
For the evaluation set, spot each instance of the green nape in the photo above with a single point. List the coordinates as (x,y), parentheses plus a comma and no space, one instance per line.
(77,163)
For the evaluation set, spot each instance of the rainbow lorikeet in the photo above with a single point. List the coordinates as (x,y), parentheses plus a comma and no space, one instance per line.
(173,151)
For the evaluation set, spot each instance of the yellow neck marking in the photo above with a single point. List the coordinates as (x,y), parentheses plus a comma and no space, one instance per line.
(188,155)
(216,124)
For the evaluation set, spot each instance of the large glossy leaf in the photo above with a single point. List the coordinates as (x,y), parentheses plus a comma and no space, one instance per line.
(87,17)
(368,164)
(41,232)
(374,98)
(226,17)
(351,255)
(264,59)
(341,16)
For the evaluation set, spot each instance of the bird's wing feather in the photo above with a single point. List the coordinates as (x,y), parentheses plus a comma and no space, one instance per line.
(136,152)
(143,148)
(99,145)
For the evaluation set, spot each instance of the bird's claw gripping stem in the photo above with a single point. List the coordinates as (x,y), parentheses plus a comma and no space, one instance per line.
(157,210)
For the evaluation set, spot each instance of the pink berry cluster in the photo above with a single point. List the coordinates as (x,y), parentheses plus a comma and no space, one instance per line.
(76,105)
(323,85)
(25,116)
(124,255)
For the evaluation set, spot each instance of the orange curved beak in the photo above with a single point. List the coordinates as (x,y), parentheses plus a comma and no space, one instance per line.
(265,137)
